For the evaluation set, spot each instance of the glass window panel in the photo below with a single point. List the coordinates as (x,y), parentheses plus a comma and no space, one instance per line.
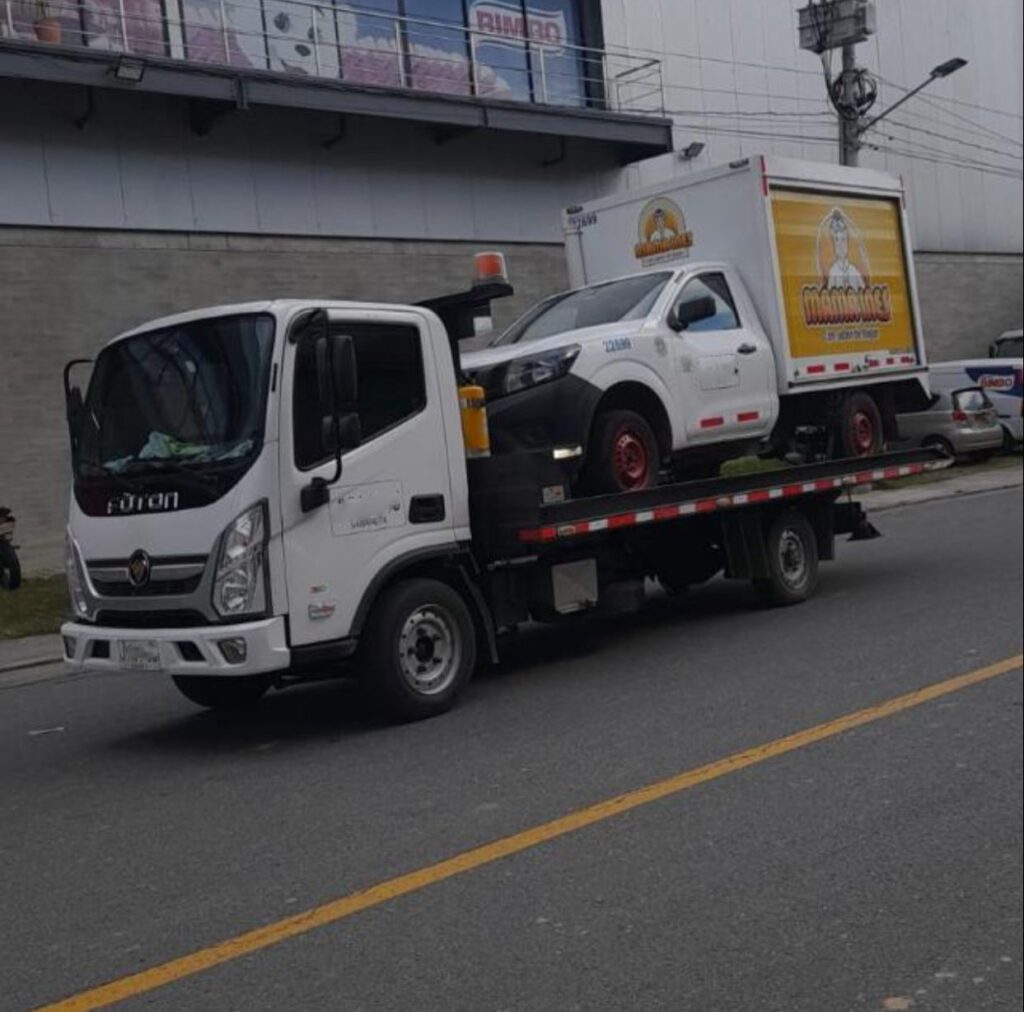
(19,20)
(438,59)
(143,23)
(302,38)
(499,42)
(368,39)
(239,44)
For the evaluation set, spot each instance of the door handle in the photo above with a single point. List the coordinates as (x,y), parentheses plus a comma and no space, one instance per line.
(747,349)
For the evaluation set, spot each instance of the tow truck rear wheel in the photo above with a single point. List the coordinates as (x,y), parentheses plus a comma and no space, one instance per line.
(222,693)
(623,453)
(792,551)
(419,650)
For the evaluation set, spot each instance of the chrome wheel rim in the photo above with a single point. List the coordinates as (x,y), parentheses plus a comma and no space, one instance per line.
(428,650)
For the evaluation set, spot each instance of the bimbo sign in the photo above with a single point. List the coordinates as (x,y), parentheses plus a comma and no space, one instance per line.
(504,24)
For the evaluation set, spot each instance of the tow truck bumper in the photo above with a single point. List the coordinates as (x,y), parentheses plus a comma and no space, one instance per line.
(249,648)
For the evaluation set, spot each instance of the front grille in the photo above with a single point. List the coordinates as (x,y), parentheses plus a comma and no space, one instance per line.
(172,619)
(168,576)
(155,588)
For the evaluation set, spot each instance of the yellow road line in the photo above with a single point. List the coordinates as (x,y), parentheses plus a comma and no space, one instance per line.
(346,906)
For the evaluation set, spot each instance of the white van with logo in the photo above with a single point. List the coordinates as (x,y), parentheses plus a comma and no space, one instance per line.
(1001,378)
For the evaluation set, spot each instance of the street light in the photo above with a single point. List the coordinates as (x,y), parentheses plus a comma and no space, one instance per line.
(942,70)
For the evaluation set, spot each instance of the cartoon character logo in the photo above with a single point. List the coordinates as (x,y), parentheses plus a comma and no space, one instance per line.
(844,294)
(842,271)
(661,232)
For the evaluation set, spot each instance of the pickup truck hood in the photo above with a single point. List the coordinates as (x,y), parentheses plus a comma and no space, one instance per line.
(488,357)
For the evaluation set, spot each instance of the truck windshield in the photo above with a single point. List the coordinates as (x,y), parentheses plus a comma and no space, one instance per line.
(608,302)
(184,399)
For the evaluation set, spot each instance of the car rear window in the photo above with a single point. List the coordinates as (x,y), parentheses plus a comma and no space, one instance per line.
(971,400)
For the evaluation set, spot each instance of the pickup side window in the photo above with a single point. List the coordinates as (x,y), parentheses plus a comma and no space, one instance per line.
(389,360)
(712,284)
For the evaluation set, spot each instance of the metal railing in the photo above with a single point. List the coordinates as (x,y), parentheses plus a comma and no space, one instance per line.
(497,55)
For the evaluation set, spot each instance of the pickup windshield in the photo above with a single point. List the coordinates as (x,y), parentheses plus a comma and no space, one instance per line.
(608,302)
(187,400)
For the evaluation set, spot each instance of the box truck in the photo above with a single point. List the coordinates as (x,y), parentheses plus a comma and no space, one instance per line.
(280,491)
(767,302)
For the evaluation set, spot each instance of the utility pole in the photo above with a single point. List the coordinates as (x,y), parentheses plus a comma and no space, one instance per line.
(849,126)
(841,24)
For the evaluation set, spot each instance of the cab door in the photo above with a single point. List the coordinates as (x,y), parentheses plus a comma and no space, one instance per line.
(394,495)
(724,376)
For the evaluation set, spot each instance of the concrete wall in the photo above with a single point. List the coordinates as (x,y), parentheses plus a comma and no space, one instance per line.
(967,300)
(66,292)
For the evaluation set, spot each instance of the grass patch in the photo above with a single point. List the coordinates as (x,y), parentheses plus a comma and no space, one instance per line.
(36,608)
(750,465)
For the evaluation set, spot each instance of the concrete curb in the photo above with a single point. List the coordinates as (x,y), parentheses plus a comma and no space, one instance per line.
(33,662)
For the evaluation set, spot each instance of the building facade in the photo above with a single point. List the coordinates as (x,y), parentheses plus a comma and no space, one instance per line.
(156,155)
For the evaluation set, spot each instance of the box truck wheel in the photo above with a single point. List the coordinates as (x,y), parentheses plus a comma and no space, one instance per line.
(419,650)
(623,453)
(222,693)
(860,426)
(792,550)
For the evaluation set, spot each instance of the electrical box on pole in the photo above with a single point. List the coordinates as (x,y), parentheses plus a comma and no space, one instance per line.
(832,24)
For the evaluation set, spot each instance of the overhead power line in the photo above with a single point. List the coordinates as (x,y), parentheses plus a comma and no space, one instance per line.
(974,146)
(986,169)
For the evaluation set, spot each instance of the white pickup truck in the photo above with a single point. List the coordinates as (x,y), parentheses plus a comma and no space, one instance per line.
(766,300)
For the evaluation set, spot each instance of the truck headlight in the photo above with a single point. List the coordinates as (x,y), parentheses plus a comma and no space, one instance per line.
(239,583)
(76,588)
(530,371)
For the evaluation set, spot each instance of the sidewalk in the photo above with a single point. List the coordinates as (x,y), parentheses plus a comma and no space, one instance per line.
(29,652)
(961,481)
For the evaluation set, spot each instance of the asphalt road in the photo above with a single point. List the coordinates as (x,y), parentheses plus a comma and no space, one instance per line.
(879,868)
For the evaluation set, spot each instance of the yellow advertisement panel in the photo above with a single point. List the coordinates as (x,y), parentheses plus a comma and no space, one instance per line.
(844,280)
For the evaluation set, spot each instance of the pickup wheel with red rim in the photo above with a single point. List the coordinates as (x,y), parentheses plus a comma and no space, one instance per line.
(860,426)
(623,453)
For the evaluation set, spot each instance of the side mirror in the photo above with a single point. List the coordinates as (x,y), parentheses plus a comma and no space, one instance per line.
(339,433)
(692,311)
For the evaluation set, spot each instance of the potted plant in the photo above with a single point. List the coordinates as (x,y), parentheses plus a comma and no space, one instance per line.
(46,24)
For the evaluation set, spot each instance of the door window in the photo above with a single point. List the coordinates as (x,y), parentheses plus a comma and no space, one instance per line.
(389,364)
(715,286)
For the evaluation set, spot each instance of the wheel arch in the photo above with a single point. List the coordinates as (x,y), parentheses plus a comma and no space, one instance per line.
(454,567)
(633,395)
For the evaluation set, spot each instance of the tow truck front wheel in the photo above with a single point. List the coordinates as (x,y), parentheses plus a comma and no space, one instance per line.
(792,551)
(419,650)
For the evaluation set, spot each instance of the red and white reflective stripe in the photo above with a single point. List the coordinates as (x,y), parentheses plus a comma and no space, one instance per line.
(842,366)
(814,370)
(542,535)
(748,416)
(907,359)
(712,423)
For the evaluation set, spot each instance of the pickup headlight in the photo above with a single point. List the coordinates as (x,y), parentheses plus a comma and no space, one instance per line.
(529,371)
(76,589)
(239,583)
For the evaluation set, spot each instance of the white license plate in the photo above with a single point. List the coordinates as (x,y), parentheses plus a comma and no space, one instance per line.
(139,655)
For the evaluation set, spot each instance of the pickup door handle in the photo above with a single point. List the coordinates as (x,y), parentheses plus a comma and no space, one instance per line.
(747,349)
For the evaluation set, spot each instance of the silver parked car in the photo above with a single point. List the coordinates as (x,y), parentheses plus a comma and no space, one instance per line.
(963,422)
